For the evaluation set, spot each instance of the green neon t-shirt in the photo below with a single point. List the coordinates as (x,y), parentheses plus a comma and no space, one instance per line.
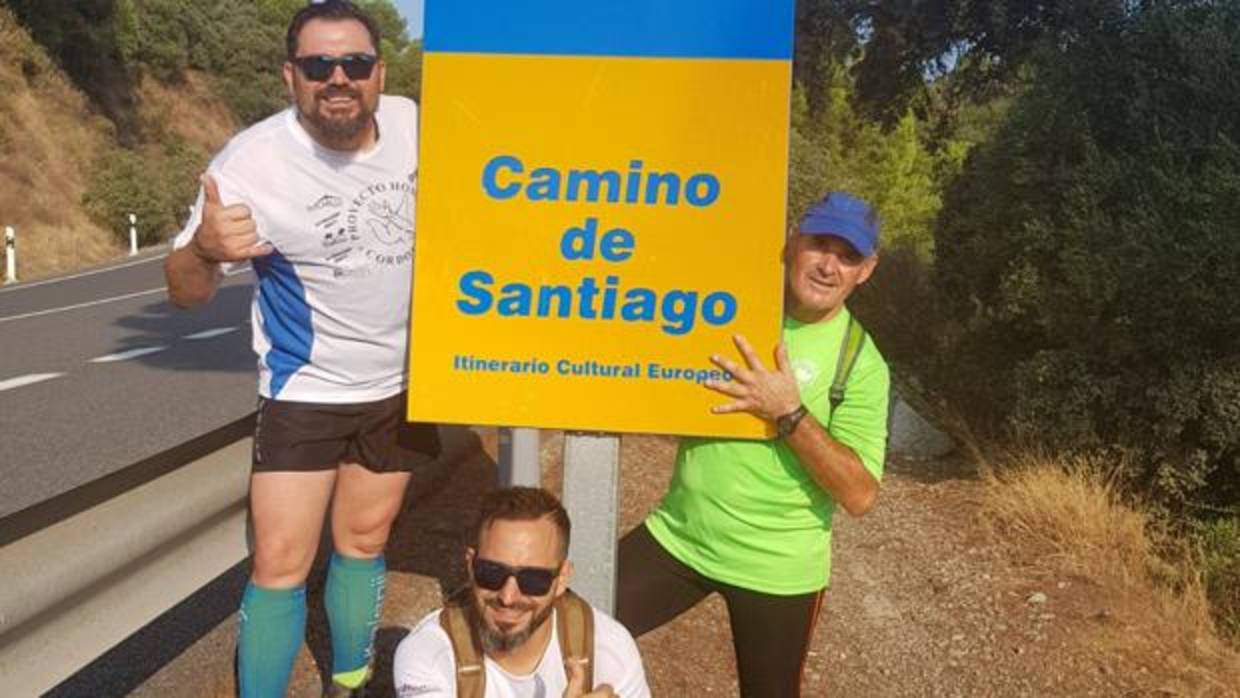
(747,513)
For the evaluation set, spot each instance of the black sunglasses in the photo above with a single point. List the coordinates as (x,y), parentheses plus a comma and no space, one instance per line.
(532,581)
(357,66)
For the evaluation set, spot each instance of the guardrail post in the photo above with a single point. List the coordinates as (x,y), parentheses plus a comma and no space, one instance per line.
(10,255)
(133,234)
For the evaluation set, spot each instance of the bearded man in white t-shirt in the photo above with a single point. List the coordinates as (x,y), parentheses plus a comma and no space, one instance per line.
(319,199)
(518,619)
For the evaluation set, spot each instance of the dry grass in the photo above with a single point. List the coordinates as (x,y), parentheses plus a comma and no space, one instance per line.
(1072,511)
(189,110)
(1070,516)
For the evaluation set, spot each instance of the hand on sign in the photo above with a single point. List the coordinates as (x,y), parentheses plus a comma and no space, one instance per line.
(576,683)
(758,391)
(227,233)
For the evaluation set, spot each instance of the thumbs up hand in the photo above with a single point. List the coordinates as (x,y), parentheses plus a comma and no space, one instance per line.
(227,233)
(576,683)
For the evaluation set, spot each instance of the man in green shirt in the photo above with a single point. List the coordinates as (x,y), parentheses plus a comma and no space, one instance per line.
(751,520)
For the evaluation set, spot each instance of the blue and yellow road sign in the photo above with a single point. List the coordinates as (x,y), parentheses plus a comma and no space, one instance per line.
(600,208)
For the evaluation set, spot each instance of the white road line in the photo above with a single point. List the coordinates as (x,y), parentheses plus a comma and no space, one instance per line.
(76,306)
(101,301)
(27,380)
(208,334)
(92,272)
(124,355)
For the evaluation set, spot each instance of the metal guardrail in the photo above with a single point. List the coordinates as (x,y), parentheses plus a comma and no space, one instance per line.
(39,516)
(85,570)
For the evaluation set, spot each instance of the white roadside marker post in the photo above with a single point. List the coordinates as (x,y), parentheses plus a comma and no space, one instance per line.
(10,255)
(133,234)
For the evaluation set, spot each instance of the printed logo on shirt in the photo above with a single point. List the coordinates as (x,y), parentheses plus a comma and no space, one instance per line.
(804,371)
(336,241)
(374,231)
(325,201)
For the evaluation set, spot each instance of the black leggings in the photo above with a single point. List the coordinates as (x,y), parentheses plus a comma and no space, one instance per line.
(769,633)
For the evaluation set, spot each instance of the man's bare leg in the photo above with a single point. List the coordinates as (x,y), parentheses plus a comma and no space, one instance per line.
(287,509)
(363,509)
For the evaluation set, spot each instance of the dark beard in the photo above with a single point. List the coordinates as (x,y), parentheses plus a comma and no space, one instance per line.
(338,132)
(496,641)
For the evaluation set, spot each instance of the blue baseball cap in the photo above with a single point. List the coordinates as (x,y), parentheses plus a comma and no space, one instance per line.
(844,216)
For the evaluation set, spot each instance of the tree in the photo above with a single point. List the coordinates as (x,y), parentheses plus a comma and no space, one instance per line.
(404,71)
(895,48)
(1088,254)
(392,27)
(826,38)
(79,35)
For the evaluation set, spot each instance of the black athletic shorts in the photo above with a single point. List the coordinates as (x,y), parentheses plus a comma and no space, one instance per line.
(308,436)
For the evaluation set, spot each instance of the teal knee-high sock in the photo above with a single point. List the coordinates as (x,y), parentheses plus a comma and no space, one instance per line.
(273,624)
(354,598)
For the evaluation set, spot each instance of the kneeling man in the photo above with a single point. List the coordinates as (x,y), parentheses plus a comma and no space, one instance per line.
(518,620)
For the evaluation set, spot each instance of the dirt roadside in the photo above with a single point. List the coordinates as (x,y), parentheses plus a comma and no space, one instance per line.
(924,601)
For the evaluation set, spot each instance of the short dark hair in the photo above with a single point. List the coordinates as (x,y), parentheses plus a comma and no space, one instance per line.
(522,504)
(331,10)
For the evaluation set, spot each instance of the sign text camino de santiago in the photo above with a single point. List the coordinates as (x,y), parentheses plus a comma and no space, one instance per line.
(600,208)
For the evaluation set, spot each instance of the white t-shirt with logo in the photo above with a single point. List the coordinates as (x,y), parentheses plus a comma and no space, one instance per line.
(331,304)
(425,665)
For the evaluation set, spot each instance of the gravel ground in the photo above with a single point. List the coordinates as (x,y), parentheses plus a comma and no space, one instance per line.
(924,601)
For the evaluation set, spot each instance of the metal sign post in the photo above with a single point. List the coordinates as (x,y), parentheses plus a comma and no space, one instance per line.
(591,486)
(10,255)
(519,458)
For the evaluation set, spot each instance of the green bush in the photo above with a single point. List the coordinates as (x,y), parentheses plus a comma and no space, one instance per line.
(229,40)
(1088,260)
(404,71)
(1220,553)
(155,184)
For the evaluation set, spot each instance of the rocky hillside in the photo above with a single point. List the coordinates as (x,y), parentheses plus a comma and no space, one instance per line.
(49,140)
(62,162)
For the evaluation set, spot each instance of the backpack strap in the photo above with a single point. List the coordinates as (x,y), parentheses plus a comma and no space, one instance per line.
(471,676)
(850,349)
(575,629)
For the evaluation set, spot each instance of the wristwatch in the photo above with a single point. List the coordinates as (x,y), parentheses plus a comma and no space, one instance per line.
(786,424)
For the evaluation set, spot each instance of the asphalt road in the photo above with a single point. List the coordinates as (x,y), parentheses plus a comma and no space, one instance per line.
(98,370)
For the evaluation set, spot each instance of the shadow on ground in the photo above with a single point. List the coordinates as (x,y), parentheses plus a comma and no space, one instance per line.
(163,324)
(931,471)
